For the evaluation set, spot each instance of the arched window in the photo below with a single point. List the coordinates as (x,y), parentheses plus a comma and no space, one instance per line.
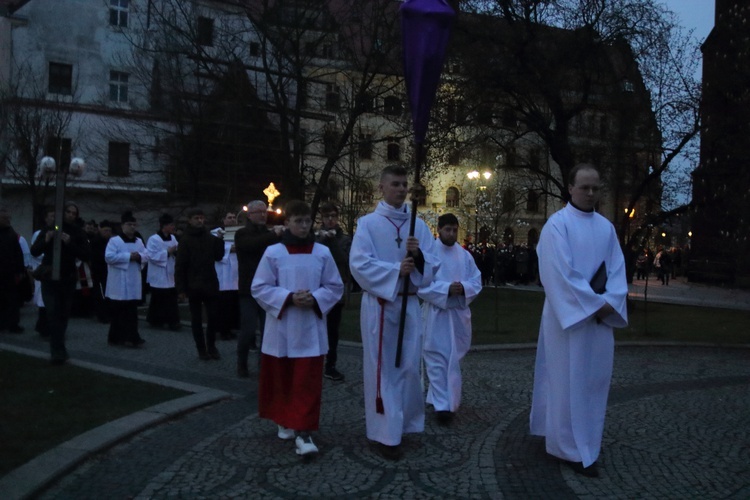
(452,197)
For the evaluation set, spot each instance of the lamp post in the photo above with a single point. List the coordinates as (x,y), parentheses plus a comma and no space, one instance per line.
(629,213)
(48,168)
(475,176)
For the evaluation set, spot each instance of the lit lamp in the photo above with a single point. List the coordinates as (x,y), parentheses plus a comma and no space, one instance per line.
(474,175)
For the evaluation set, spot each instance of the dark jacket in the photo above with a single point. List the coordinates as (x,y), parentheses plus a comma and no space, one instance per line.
(194,267)
(77,248)
(11,255)
(250,243)
(339,245)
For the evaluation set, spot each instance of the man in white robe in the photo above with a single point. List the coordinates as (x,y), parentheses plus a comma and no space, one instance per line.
(379,262)
(576,344)
(125,256)
(162,249)
(447,332)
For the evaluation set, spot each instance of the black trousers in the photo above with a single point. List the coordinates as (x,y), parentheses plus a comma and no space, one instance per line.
(334,320)
(124,324)
(163,307)
(196,301)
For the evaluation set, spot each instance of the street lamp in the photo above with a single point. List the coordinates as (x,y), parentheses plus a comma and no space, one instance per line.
(475,176)
(47,167)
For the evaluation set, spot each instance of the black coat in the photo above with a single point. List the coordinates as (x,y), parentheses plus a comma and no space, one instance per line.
(77,248)
(250,242)
(197,253)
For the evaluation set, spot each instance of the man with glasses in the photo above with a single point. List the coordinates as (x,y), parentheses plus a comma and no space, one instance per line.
(331,235)
(58,294)
(249,243)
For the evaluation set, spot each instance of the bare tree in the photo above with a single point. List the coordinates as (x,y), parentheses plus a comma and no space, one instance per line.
(581,80)
(33,125)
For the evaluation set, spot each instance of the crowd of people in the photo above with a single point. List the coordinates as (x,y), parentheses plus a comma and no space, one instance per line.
(282,288)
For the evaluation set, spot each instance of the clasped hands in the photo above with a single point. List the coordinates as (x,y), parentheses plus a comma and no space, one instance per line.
(303,299)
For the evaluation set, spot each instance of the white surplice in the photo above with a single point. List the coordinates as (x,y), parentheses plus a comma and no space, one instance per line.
(160,272)
(575,353)
(227,270)
(123,274)
(375,260)
(447,332)
(291,331)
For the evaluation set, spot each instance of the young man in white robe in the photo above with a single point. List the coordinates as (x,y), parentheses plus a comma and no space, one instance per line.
(162,248)
(125,256)
(447,329)
(296,283)
(379,262)
(227,304)
(575,352)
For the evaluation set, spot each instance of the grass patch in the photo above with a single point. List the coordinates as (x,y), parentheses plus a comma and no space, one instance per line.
(42,406)
(507,315)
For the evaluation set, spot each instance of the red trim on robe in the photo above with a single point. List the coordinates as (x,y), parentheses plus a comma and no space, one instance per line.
(290,391)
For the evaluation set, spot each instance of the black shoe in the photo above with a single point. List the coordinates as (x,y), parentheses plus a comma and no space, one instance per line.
(139,342)
(390,452)
(16,329)
(203,355)
(57,361)
(333,374)
(444,417)
(213,353)
(242,371)
(578,468)
(176,327)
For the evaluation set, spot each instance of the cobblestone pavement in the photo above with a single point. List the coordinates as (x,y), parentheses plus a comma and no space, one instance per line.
(677,427)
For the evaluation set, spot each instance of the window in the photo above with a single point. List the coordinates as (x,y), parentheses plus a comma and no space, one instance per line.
(60,78)
(394,151)
(205,31)
(365,146)
(484,114)
(118,86)
(509,200)
(392,106)
(119,159)
(302,94)
(59,148)
(254,49)
(532,201)
(452,197)
(454,156)
(333,99)
(366,102)
(118,13)
(330,143)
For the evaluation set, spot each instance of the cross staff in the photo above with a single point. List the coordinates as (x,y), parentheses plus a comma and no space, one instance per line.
(425,30)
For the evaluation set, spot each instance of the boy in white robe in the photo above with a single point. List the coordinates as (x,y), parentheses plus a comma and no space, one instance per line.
(576,344)
(125,256)
(296,283)
(447,336)
(394,399)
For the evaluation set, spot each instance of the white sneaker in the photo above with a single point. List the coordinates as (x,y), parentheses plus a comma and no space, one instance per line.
(305,445)
(285,433)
